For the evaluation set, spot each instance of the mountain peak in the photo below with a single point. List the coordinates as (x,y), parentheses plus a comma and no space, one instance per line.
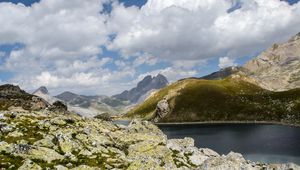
(147,84)
(42,90)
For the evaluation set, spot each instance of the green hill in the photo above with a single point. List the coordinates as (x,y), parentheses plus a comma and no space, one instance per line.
(230,99)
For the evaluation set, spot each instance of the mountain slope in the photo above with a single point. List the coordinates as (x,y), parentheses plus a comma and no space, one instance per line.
(230,99)
(223,73)
(147,84)
(278,68)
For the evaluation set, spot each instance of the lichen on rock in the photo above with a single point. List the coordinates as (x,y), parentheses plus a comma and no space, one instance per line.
(52,140)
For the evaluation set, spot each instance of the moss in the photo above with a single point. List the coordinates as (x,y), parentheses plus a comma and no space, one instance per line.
(7,160)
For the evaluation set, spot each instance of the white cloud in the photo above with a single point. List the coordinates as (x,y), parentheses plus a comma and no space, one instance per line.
(197,29)
(226,62)
(2,54)
(62,40)
(171,73)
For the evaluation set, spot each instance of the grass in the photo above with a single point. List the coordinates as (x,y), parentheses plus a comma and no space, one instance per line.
(229,99)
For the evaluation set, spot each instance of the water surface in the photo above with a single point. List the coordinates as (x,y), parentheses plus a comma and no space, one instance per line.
(267,143)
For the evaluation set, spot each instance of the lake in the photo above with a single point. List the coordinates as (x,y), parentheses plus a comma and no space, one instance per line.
(267,143)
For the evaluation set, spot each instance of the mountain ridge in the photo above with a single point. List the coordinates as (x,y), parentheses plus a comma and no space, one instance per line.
(148,83)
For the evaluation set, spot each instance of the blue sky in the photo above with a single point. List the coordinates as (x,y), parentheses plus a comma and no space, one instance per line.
(104,47)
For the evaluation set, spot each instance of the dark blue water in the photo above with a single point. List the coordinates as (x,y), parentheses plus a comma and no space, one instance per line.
(257,142)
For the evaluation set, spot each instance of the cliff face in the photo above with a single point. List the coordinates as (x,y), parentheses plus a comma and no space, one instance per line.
(278,68)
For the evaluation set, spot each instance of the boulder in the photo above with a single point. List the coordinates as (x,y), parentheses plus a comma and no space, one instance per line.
(29,165)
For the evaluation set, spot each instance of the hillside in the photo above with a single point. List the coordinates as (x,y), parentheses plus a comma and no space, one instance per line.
(230,99)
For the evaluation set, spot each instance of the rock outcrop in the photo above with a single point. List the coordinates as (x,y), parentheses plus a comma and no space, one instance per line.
(12,96)
(48,140)
(162,109)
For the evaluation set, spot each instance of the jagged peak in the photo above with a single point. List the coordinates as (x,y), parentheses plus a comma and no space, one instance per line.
(42,89)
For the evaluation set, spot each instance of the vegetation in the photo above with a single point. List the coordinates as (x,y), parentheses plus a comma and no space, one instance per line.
(230,99)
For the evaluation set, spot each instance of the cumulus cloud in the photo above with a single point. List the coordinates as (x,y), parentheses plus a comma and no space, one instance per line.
(171,73)
(2,54)
(185,29)
(226,62)
(61,41)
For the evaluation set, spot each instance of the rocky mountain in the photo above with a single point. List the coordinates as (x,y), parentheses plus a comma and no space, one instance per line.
(91,106)
(12,96)
(42,90)
(147,84)
(278,68)
(48,140)
(43,93)
(231,99)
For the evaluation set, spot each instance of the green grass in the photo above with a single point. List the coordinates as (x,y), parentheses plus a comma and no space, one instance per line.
(222,100)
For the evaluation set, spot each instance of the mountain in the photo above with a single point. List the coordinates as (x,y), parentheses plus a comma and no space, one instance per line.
(275,69)
(90,106)
(229,99)
(12,96)
(42,90)
(43,93)
(147,84)
(223,73)
(278,68)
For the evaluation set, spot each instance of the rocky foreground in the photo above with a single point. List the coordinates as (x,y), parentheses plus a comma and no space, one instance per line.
(47,140)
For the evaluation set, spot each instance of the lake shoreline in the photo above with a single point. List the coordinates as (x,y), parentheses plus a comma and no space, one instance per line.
(227,122)
(219,122)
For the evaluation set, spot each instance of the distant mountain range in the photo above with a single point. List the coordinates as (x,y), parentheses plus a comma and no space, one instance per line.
(266,88)
(91,106)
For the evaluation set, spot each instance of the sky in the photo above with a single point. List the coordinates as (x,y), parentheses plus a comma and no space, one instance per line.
(106,46)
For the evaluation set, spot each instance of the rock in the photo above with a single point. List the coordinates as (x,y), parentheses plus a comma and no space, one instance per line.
(4,128)
(58,106)
(66,141)
(38,103)
(85,153)
(29,165)
(58,121)
(162,109)
(85,167)
(180,145)
(103,116)
(42,153)
(151,152)
(15,134)
(209,152)
(46,142)
(60,167)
